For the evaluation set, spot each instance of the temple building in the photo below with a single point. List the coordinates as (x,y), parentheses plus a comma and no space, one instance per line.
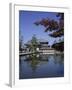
(43,46)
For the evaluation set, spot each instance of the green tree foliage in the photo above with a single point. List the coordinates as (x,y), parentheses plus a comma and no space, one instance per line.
(34,44)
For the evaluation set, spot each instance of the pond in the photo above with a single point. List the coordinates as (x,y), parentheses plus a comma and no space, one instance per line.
(41,66)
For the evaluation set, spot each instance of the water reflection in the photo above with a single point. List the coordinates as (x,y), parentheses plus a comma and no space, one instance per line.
(41,65)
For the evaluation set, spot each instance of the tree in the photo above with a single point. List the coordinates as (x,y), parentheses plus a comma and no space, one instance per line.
(20,42)
(55,27)
(34,44)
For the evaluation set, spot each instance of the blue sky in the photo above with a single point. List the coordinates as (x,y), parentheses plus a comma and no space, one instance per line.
(28,28)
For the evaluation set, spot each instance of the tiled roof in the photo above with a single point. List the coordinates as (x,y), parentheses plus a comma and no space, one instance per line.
(38,40)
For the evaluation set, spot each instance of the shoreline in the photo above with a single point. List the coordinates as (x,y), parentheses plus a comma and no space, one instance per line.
(29,53)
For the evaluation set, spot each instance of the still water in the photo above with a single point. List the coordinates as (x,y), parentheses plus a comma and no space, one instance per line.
(41,66)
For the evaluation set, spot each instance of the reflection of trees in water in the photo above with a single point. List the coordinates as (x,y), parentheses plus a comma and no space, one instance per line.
(59,59)
(20,67)
(44,57)
(56,58)
(36,60)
